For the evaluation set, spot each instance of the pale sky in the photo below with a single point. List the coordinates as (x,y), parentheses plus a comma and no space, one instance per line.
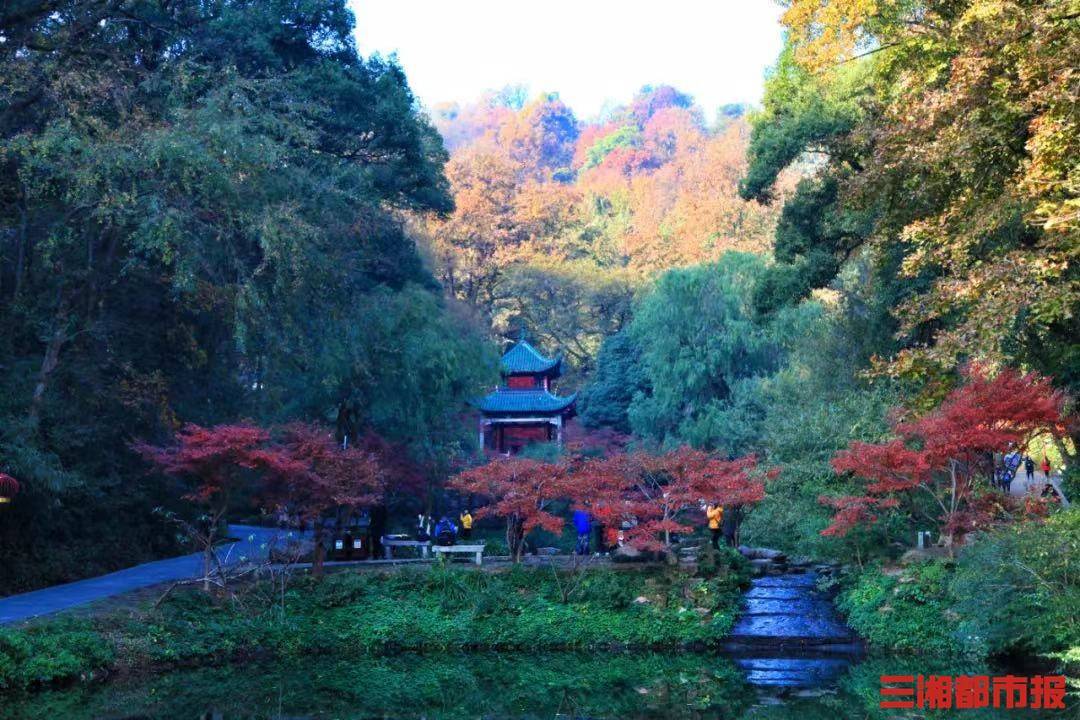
(589,51)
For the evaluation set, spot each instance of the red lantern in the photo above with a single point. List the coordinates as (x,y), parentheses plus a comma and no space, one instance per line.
(9,487)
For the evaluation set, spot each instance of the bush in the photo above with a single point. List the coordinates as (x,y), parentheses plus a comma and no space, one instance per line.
(55,652)
(905,610)
(1017,588)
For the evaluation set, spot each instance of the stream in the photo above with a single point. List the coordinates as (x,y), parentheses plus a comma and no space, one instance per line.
(788,656)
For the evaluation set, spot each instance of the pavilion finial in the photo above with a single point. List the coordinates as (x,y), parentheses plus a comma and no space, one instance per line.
(523,334)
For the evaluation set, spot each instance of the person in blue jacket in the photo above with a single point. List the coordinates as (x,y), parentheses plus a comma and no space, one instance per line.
(445,532)
(583,525)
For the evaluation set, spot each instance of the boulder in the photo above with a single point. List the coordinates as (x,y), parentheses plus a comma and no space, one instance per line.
(756,553)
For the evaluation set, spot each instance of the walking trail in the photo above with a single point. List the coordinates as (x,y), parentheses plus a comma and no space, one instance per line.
(1020,486)
(253,543)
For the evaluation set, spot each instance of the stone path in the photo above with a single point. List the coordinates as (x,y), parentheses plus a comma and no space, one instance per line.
(253,543)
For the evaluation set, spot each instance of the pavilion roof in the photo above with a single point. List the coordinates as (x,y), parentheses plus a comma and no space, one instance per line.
(524,359)
(505,400)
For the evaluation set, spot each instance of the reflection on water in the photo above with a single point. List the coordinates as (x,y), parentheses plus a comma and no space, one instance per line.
(607,685)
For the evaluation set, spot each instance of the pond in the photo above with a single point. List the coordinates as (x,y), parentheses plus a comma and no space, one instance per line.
(518,685)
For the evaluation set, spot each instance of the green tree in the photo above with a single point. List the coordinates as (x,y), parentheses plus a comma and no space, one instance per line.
(702,352)
(199,205)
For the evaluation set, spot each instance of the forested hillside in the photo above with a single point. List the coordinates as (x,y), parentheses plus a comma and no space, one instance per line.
(560,220)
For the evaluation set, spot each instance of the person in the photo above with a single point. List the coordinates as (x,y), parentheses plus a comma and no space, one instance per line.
(583,525)
(423,527)
(445,531)
(715,515)
(1045,467)
(466,524)
(1029,468)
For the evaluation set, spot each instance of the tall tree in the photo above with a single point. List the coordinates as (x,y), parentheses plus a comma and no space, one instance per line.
(947,136)
(200,204)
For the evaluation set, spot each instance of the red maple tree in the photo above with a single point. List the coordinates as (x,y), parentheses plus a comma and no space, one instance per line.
(653,497)
(521,491)
(330,478)
(9,487)
(220,461)
(945,454)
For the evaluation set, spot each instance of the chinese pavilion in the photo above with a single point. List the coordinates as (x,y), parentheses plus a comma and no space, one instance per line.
(524,409)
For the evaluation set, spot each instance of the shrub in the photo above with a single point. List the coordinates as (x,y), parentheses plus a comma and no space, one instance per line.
(1017,588)
(54,652)
(907,610)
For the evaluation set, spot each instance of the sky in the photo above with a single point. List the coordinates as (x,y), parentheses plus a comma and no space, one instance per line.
(592,52)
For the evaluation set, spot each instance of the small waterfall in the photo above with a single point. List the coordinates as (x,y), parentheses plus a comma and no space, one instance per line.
(790,635)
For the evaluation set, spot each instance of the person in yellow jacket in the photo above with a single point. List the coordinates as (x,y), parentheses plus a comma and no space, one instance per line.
(466,525)
(715,515)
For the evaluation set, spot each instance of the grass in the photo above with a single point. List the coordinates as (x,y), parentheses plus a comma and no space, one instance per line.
(440,609)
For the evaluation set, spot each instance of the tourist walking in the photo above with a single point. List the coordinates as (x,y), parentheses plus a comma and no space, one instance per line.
(466,524)
(715,515)
(1029,468)
(583,525)
(1045,467)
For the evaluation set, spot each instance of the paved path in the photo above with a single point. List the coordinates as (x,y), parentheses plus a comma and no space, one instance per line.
(253,543)
(1020,485)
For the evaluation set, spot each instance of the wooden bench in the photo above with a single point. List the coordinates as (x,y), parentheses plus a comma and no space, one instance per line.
(441,551)
(389,545)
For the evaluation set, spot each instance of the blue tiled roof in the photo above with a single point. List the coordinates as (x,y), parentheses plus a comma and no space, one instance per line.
(521,401)
(523,358)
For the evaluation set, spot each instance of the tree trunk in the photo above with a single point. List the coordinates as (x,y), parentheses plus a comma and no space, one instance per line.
(320,552)
(515,538)
(52,356)
(20,255)
(48,364)
(949,538)
(208,564)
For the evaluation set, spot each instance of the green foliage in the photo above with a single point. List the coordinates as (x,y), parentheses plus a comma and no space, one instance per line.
(801,112)
(625,136)
(701,351)
(906,610)
(222,240)
(56,651)
(350,613)
(618,379)
(1017,588)
(1012,590)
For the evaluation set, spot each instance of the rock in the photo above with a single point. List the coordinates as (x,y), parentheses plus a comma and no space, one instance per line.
(627,552)
(811,692)
(547,551)
(755,553)
(641,600)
